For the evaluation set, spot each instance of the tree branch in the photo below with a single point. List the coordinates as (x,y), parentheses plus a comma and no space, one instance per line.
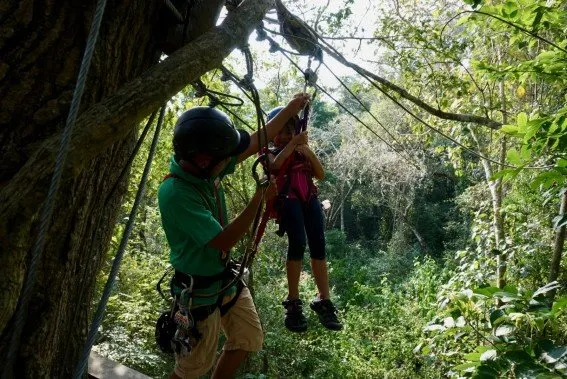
(117,115)
(406,95)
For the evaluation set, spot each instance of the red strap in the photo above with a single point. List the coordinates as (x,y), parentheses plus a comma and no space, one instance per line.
(262,226)
(170,175)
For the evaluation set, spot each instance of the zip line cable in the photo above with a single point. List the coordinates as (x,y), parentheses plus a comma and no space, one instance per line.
(353,115)
(383,91)
(419,119)
(408,155)
(99,314)
(131,157)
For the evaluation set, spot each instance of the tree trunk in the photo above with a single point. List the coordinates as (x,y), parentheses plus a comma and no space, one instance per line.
(496,194)
(498,220)
(342,205)
(41,57)
(41,47)
(559,244)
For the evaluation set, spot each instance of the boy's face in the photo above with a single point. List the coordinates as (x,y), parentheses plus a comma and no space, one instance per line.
(220,167)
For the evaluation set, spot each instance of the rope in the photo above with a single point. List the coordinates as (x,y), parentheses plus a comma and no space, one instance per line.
(174,10)
(252,247)
(374,117)
(354,116)
(246,84)
(236,116)
(132,156)
(47,214)
(99,314)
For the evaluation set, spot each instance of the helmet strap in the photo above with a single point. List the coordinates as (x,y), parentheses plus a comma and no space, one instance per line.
(200,172)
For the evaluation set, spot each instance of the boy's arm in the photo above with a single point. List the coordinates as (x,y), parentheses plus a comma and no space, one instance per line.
(274,126)
(233,232)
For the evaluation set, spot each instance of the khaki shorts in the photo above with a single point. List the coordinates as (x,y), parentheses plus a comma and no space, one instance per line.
(243,331)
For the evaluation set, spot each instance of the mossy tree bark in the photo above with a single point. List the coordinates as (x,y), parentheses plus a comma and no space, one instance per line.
(41,47)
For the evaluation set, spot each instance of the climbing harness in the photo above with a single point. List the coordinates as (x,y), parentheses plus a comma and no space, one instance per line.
(176,329)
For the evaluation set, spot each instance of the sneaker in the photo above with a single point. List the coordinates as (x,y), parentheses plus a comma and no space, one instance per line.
(327,313)
(294,318)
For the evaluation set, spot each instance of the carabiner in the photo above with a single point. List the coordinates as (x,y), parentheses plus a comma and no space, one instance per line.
(264,181)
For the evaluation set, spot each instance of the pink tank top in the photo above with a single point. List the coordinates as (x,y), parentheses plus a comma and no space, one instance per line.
(299,177)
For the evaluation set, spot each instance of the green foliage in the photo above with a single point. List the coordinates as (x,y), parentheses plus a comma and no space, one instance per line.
(406,315)
(489,332)
(375,310)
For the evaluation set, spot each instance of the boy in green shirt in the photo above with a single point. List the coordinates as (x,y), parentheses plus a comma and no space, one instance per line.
(192,205)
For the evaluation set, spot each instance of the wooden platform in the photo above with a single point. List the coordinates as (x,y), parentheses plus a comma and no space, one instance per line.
(104,368)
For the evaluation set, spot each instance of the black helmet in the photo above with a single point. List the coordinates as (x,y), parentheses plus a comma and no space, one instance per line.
(208,130)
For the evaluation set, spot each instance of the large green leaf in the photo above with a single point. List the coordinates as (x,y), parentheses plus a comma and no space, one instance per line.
(554,354)
(545,289)
(559,305)
(504,330)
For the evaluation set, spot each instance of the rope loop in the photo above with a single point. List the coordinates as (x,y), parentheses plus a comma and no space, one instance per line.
(247,82)
(201,90)
(213,101)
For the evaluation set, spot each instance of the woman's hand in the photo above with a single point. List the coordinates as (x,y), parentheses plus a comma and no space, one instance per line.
(304,149)
(300,139)
(298,102)
(271,190)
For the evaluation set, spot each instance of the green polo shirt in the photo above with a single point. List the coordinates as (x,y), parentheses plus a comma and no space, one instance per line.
(189,216)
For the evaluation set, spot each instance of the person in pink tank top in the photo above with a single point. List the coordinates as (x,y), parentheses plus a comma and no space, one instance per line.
(300,216)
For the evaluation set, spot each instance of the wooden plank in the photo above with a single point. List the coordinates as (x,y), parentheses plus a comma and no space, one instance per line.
(104,368)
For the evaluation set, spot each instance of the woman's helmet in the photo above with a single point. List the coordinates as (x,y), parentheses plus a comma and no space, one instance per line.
(274,112)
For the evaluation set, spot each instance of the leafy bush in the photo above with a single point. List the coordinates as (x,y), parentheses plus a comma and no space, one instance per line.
(488,332)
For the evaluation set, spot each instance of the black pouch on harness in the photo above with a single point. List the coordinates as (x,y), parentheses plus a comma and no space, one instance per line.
(165,331)
(278,207)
